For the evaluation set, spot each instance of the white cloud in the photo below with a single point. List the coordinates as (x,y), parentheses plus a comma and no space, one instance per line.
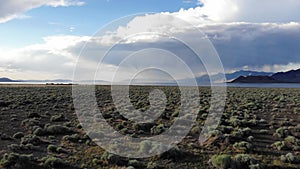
(51,59)
(15,9)
(251,10)
(263,46)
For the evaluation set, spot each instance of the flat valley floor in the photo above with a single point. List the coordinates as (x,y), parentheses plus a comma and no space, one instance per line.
(260,128)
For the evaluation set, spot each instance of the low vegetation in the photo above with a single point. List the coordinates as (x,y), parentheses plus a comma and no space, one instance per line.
(39,129)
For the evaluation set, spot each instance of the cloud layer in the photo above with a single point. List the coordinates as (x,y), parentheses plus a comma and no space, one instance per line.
(265,40)
(13,9)
(251,10)
(255,46)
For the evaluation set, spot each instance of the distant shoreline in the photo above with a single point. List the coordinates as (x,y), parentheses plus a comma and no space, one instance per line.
(228,85)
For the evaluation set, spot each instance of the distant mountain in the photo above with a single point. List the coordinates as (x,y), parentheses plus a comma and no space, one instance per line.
(292,76)
(234,75)
(45,81)
(205,79)
(5,79)
(54,81)
(255,79)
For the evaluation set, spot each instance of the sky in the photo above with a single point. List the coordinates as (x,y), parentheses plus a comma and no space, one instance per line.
(42,39)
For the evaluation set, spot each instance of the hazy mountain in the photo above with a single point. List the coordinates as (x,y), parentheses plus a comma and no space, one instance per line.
(229,76)
(5,79)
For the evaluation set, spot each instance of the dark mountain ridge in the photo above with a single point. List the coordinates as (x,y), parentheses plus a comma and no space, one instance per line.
(292,76)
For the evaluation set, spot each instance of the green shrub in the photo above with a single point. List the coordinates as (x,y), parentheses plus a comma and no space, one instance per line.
(157,129)
(263,131)
(245,161)
(31,139)
(21,147)
(244,146)
(52,148)
(279,145)
(53,162)
(18,161)
(291,139)
(222,161)
(289,158)
(136,163)
(152,165)
(214,133)
(112,158)
(282,132)
(234,121)
(58,129)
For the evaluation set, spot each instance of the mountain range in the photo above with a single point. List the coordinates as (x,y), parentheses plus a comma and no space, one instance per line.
(241,76)
(292,76)
(5,79)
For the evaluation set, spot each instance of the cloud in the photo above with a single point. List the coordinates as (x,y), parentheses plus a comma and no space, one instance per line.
(255,46)
(15,9)
(251,10)
(50,59)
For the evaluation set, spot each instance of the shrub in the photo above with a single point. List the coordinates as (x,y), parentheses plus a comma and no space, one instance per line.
(57,118)
(58,129)
(222,161)
(244,146)
(253,122)
(112,158)
(174,153)
(31,139)
(152,165)
(279,145)
(250,138)
(136,163)
(157,129)
(246,161)
(52,148)
(234,121)
(39,131)
(214,133)
(246,131)
(290,158)
(53,162)
(291,139)
(263,131)
(18,135)
(21,147)
(282,132)
(28,123)
(18,161)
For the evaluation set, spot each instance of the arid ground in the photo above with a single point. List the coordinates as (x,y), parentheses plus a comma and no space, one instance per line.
(260,128)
